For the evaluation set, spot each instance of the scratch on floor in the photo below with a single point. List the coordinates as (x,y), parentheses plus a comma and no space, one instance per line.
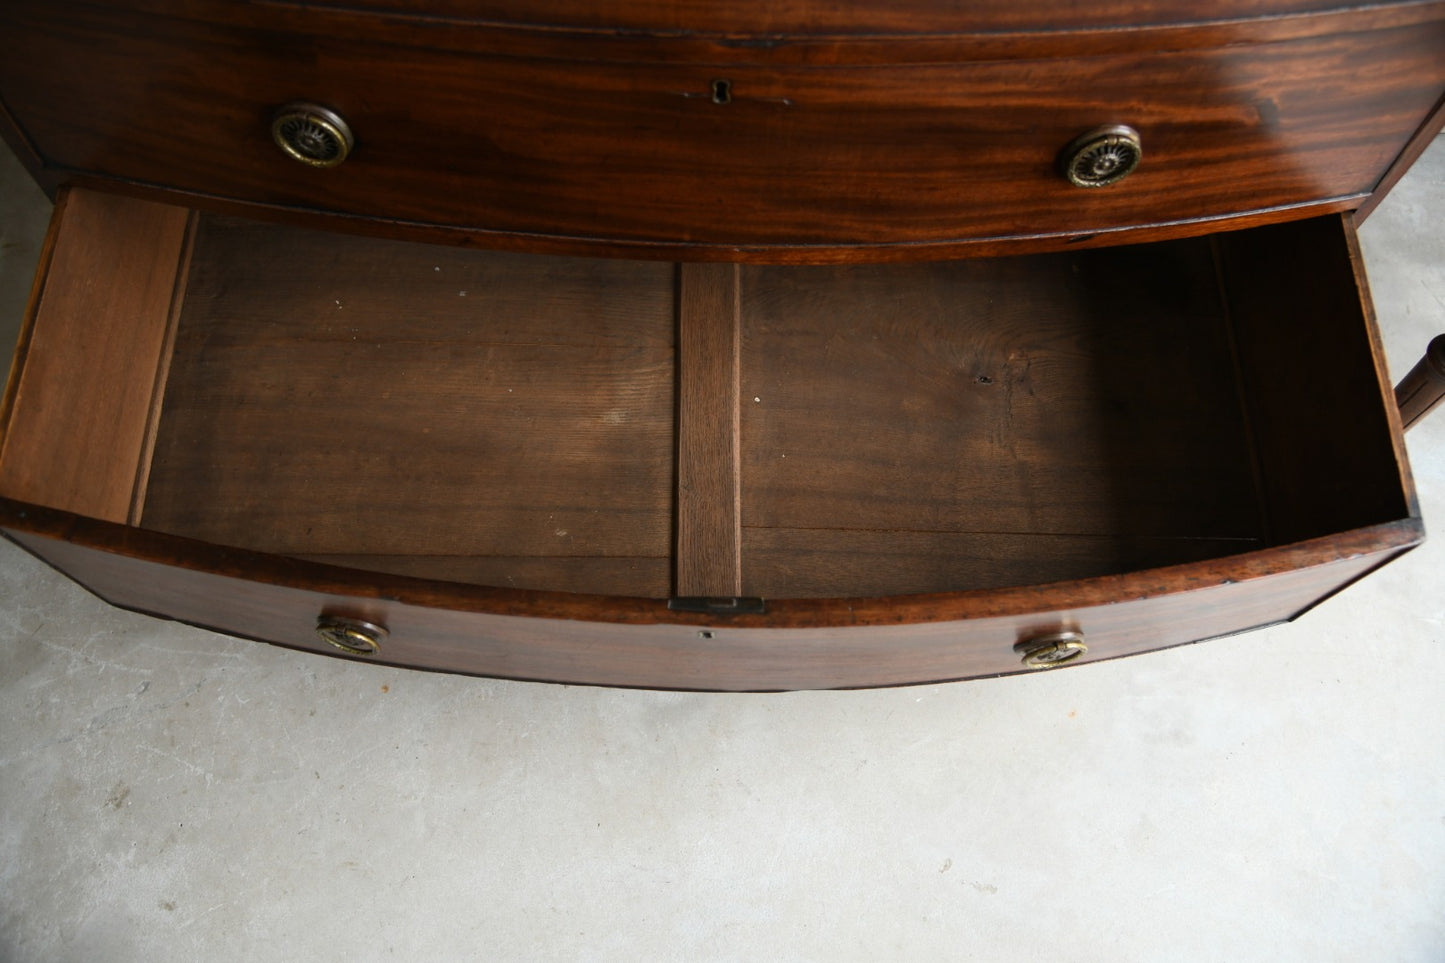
(201,653)
(210,776)
(202,915)
(82,657)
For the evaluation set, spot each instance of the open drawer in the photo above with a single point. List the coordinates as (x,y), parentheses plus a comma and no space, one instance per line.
(702,475)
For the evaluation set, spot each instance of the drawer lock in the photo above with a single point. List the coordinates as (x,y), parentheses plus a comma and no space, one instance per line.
(312,134)
(1103,156)
(1056,648)
(351,635)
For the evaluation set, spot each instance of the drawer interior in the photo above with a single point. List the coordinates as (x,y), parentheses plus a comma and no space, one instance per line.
(491,418)
(857,430)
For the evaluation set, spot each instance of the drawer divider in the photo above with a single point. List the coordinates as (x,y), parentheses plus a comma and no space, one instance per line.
(709,517)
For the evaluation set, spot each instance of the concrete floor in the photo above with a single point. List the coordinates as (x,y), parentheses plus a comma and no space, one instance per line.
(169,794)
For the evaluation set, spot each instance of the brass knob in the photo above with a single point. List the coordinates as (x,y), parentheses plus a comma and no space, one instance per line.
(1103,156)
(351,635)
(312,134)
(1048,651)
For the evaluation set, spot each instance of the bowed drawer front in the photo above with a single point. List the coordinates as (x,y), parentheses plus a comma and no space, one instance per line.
(811,146)
(700,475)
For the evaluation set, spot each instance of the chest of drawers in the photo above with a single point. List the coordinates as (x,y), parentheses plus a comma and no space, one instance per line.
(647,346)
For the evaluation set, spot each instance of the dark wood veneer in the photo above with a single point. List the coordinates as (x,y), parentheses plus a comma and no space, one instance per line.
(802,644)
(849,17)
(864,153)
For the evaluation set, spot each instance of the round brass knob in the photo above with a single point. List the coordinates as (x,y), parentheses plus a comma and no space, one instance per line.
(351,635)
(312,134)
(1103,156)
(1056,648)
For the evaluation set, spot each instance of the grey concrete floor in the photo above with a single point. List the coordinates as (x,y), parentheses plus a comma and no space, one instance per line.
(169,794)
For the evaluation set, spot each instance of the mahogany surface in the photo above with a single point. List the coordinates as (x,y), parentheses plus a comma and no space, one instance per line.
(798,645)
(880,146)
(812,17)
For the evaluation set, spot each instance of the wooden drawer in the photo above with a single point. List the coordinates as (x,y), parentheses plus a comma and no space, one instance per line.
(885,146)
(554,468)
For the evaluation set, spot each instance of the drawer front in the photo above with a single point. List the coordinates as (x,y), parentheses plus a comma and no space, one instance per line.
(838,17)
(449,628)
(856,149)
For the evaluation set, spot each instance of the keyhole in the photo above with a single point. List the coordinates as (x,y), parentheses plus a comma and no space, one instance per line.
(722,91)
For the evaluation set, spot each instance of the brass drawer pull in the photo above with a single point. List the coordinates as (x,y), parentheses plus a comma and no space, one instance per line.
(1054,649)
(351,635)
(312,134)
(1103,156)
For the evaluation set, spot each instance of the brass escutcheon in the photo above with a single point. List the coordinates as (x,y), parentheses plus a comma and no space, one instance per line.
(1054,649)
(353,636)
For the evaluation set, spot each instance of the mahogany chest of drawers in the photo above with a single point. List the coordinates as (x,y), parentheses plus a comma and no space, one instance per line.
(659,344)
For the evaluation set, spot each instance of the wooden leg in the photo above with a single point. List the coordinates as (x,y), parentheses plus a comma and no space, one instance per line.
(1422,389)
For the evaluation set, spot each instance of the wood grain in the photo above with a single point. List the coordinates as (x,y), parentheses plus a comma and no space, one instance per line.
(796,645)
(1429,129)
(163,374)
(379,398)
(848,17)
(806,563)
(1330,455)
(83,392)
(709,532)
(990,402)
(590,575)
(830,159)
(943,33)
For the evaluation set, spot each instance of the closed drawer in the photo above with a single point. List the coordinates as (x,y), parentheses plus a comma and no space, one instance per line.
(885,147)
(545,468)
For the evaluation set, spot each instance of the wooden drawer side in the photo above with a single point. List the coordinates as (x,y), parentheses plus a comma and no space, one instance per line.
(1322,415)
(92,361)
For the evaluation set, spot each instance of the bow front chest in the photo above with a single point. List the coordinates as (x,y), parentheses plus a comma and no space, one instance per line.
(692,345)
